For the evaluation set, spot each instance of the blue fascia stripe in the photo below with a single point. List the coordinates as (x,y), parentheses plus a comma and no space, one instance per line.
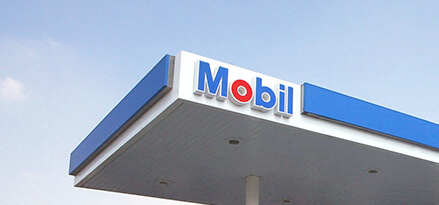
(337,107)
(152,87)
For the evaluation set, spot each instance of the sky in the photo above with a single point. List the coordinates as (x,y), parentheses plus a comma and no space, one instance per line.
(65,64)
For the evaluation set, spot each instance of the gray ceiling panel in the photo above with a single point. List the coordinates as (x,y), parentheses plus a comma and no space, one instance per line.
(189,149)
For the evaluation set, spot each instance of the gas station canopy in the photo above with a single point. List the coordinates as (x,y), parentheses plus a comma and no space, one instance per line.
(199,130)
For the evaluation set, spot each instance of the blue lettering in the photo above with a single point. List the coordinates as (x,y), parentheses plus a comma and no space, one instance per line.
(264,98)
(216,86)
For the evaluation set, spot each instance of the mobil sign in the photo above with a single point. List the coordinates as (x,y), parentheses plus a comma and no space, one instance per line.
(215,83)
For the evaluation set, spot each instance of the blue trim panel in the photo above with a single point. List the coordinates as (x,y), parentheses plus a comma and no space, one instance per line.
(334,106)
(135,103)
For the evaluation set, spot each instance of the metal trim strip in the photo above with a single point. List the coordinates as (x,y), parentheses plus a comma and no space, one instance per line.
(323,103)
(145,94)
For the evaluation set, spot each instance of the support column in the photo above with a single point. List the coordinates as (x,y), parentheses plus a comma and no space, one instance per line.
(252,190)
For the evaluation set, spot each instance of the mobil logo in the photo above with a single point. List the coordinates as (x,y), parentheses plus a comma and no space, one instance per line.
(240,92)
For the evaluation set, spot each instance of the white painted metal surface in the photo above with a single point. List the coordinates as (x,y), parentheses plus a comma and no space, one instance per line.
(252,190)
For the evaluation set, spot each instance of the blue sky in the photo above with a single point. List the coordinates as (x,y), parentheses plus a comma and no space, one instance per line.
(65,65)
